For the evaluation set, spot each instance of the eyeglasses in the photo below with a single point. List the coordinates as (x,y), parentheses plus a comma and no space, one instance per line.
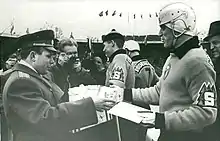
(63,54)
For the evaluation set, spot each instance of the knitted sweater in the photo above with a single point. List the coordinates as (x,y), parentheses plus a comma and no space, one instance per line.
(186,93)
(145,75)
(120,71)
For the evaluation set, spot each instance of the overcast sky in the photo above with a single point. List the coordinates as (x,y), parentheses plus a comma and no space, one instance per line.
(82,16)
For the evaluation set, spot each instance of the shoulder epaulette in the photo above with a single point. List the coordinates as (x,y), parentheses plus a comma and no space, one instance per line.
(23,75)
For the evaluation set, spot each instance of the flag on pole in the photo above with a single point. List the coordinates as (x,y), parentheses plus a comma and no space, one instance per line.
(12,28)
(101,14)
(114,13)
(71,35)
(106,12)
(141,16)
(27,31)
(128,17)
(120,15)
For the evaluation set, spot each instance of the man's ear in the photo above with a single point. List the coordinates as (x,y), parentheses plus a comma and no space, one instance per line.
(33,56)
(113,43)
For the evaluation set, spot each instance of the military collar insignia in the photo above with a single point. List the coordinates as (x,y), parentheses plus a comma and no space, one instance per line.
(26,72)
(23,75)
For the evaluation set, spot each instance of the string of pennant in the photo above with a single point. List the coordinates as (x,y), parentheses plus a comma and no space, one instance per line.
(120,14)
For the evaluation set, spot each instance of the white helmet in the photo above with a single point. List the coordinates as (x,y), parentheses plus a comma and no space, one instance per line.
(179,17)
(131,45)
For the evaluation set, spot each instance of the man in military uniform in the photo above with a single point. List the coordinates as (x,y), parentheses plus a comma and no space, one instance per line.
(32,104)
(214,39)
(120,71)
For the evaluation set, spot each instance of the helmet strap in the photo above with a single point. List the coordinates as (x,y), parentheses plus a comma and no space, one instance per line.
(185,30)
(176,36)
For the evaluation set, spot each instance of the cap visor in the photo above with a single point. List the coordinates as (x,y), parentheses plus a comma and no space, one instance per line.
(51,49)
(206,38)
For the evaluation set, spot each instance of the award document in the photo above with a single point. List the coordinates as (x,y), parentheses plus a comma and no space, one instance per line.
(77,93)
(131,112)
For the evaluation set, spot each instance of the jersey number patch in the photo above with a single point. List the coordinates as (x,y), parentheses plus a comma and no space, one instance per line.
(207,96)
(117,74)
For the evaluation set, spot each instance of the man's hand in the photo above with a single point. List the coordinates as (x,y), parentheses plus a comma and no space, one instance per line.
(103,103)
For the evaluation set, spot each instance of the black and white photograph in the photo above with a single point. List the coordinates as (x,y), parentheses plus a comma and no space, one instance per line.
(110,70)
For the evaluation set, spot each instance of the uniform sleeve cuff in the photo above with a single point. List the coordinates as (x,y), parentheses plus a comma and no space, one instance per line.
(128,95)
(160,121)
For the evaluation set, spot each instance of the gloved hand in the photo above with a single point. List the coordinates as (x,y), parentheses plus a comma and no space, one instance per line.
(148,118)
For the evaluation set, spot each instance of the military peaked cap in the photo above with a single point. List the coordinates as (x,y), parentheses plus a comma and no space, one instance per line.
(44,38)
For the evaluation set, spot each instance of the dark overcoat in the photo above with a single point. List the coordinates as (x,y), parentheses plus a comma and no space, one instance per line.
(34,112)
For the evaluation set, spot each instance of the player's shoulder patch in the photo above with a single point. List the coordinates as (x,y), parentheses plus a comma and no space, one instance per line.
(117,74)
(23,75)
(140,65)
(207,96)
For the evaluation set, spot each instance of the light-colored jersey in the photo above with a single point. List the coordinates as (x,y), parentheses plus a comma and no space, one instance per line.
(120,72)
(145,75)
(185,92)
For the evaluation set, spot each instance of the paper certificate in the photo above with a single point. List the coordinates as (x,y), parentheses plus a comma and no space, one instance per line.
(128,111)
(77,93)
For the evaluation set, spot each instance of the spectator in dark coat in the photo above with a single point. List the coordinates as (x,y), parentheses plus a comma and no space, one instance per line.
(80,75)
(214,39)
(60,72)
(99,72)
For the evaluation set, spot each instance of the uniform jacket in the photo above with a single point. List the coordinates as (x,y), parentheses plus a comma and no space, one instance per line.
(120,71)
(59,76)
(186,94)
(34,112)
(145,75)
(3,77)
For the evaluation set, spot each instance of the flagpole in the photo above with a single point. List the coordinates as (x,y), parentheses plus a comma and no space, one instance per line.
(128,18)
(133,25)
